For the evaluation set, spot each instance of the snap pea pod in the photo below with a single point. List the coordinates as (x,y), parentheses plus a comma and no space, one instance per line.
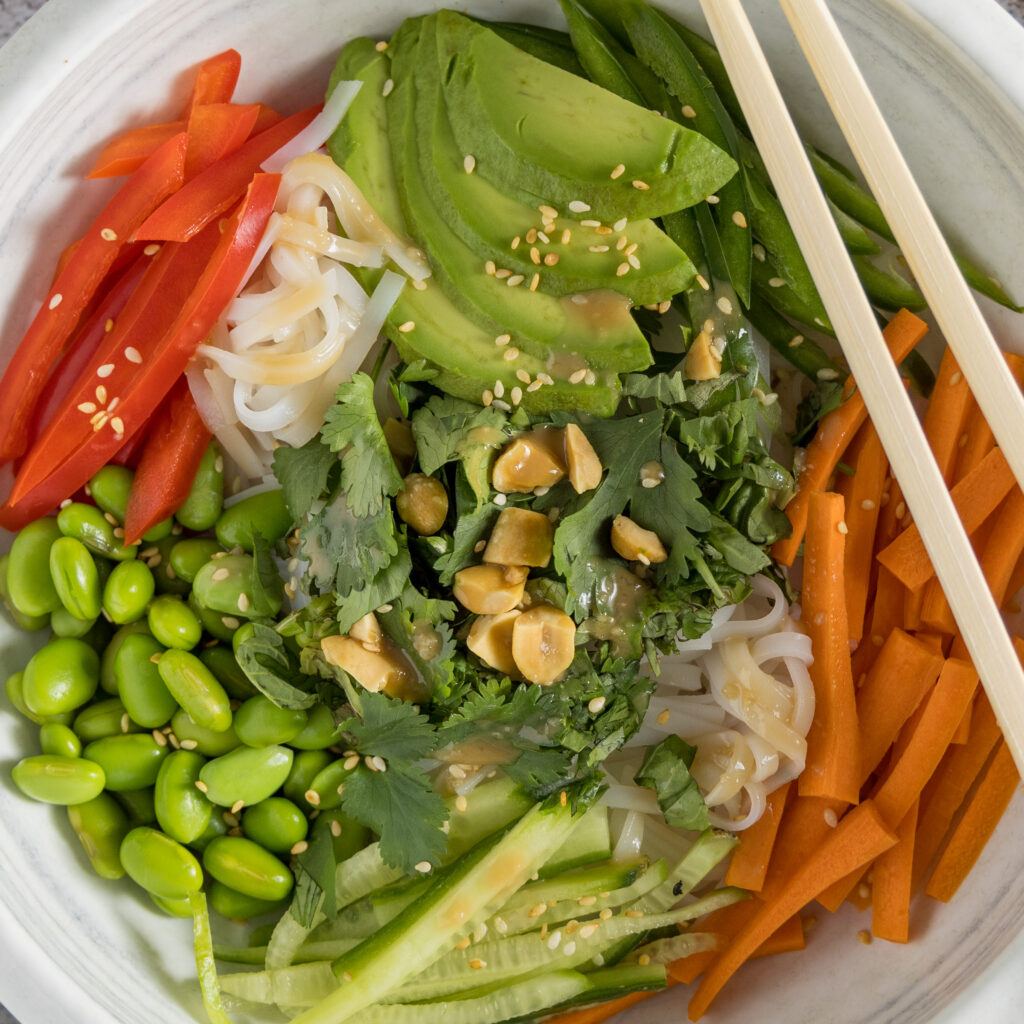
(139,684)
(247,868)
(101,825)
(188,556)
(107,658)
(772,287)
(264,513)
(58,780)
(60,677)
(544,44)
(803,353)
(58,740)
(29,623)
(173,623)
(593,46)
(221,661)
(29,583)
(237,906)
(181,809)
(259,722)
(196,689)
(887,289)
(128,591)
(89,525)
(75,578)
(197,737)
(202,508)
(63,623)
(246,774)
(130,761)
(276,824)
(104,718)
(160,865)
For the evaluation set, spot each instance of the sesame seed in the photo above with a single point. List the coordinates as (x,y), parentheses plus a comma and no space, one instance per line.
(229,622)
(605,914)
(955,378)
(300,847)
(469,163)
(502,339)
(378,764)
(531,236)
(388,86)
(622,269)
(336,828)
(537,910)
(423,867)
(534,282)
(535,386)
(490,267)
(503,274)
(724,305)
(346,976)
(569,949)
(151,250)
(407,326)
(105,370)
(511,353)
(554,940)
(688,111)
(578,206)
(517,395)
(702,281)
(629,249)
(541,237)
(642,186)
(634,913)
(87,407)
(243,602)
(738,219)
(603,230)
(480,932)
(551,259)
(634,262)
(487,397)
(108,235)
(618,170)
(577,376)
(598,248)
(499,389)
(901,510)
(545,378)
(109,325)
(827,374)
(351,762)
(831,819)
(563,798)
(712,199)
(590,223)
(100,423)
(461,804)
(665,306)
(220,574)
(56,300)
(796,341)
(117,425)
(237,806)
(381,46)
(535,255)
(867,504)
(500,925)
(663,716)
(596,704)
(523,376)
(219,464)
(101,393)
(776,282)
(548,212)
(112,404)
(202,786)
(864,938)
(514,244)
(587,901)
(477,964)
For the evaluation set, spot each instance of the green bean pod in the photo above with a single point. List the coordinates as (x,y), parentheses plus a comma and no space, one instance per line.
(28,623)
(61,676)
(264,513)
(237,906)
(131,761)
(208,742)
(143,691)
(202,508)
(58,780)
(29,583)
(128,591)
(188,556)
(74,575)
(104,718)
(307,764)
(173,623)
(59,740)
(276,824)
(89,525)
(160,865)
(196,689)
(182,810)
(887,289)
(259,722)
(247,868)
(101,825)
(246,775)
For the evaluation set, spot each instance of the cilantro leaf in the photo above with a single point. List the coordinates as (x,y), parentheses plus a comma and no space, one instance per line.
(264,659)
(386,586)
(664,388)
(303,474)
(315,874)
(266,588)
(369,473)
(666,770)
(390,728)
(473,523)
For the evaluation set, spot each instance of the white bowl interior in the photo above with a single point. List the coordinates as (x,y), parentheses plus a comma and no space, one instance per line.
(75,948)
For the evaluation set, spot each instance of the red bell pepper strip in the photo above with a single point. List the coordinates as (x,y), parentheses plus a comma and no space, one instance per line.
(214,131)
(63,259)
(217,188)
(128,152)
(215,81)
(170,459)
(165,345)
(267,118)
(71,293)
(131,451)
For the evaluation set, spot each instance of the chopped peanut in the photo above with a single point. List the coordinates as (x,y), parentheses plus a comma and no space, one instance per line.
(489,589)
(521,537)
(585,467)
(490,639)
(632,542)
(543,643)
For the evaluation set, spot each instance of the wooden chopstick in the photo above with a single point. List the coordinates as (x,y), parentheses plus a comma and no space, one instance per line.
(893,416)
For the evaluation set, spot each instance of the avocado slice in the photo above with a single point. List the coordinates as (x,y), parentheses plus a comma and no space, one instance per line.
(469,360)
(541,324)
(547,136)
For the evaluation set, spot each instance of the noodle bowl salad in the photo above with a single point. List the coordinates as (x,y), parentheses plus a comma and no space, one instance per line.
(406,490)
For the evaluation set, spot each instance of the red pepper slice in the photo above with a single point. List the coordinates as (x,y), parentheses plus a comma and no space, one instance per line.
(170,459)
(69,296)
(267,118)
(128,152)
(215,81)
(81,440)
(214,131)
(217,188)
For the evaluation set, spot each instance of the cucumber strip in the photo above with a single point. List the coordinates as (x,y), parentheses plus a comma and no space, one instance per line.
(665,951)
(298,985)
(206,968)
(710,848)
(371,913)
(589,842)
(461,898)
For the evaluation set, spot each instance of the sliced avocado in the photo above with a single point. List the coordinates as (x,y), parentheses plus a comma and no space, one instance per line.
(441,334)
(549,137)
(541,324)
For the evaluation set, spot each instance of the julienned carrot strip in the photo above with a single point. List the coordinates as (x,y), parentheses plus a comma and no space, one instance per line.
(952,782)
(891,884)
(749,862)
(984,810)
(806,821)
(912,602)
(601,1012)
(976,497)
(1016,582)
(858,839)
(905,670)
(977,434)
(863,495)
(787,938)
(886,615)
(946,413)
(892,517)
(832,758)
(726,924)
(836,431)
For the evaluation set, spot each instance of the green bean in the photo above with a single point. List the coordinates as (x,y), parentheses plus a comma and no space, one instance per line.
(142,690)
(202,508)
(28,623)
(74,575)
(259,722)
(89,525)
(306,765)
(237,906)
(221,661)
(128,591)
(197,737)
(110,488)
(190,555)
(264,513)
(778,294)
(887,289)
(29,583)
(182,810)
(276,824)
(319,731)
(803,353)
(159,560)
(138,805)
(131,761)
(196,689)
(107,680)
(247,868)
(104,718)
(855,238)
(58,780)
(58,740)
(175,908)
(101,825)
(592,44)
(61,676)
(213,622)
(173,623)
(14,687)
(63,623)
(246,775)
(160,865)
(215,827)
(225,585)
(325,789)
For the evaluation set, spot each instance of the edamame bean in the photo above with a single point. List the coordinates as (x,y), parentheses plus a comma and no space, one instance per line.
(29,623)
(196,689)
(306,765)
(128,591)
(89,525)
(320,730)
(110,488)
(247,868)
(104,718)
(190,555)
(63,623)
(201,509)
(15,694)
(215,827)
(28,570)
(138,805)
(265,514)
(101,825)
(212,622)
(225,585)
(75,577)
(197,737)
(237,906)
(173,623)
(221,661)
(159,561)
(60,677)
(176,908)
(160,865)
(131,761)
(348,836)
(326,785)
(259,722)
(97,636)
(58,780)
(182,810)
(276,824)
(143,692)
(247,775)
(58,740)
(107,680)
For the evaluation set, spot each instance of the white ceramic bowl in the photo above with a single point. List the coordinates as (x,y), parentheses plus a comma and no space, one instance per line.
(948,75)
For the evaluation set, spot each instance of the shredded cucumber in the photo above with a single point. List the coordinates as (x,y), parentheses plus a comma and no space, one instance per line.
(709,849)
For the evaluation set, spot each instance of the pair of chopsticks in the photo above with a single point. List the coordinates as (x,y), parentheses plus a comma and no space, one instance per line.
(949,298)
